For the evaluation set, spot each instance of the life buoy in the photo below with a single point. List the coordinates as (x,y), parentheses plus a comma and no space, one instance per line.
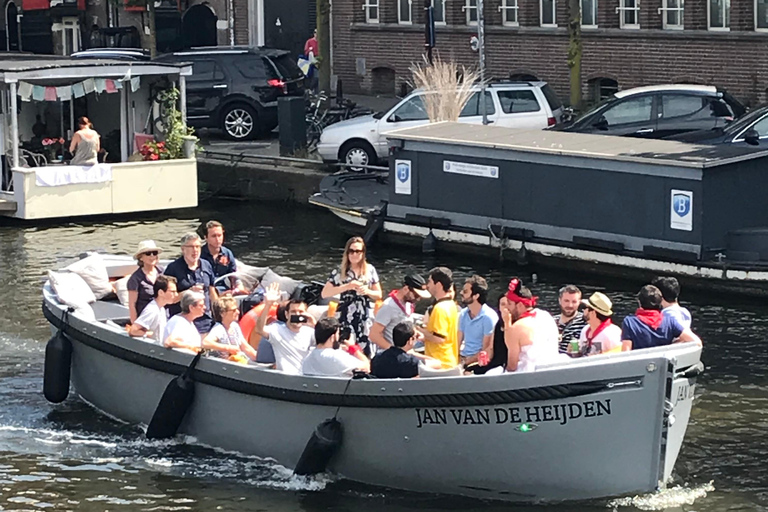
(248,320)
(58,358)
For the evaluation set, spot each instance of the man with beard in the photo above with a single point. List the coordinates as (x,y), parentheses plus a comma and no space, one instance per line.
(476,321)
(531,334)
(396,308)
(570,321)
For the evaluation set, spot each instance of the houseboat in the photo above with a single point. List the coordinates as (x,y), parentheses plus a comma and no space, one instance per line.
(42,96)
(613,205)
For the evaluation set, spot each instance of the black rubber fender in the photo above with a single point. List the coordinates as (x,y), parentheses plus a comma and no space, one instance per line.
(58,360)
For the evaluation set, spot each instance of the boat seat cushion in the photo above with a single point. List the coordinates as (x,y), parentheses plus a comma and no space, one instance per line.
(108,310)
(425,371)
(287,284)
(250,276)
(94,272)
(121,290)
(70,288)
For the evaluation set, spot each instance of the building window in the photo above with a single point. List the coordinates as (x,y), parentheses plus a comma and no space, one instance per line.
(508,10)
(371,8)
(547,13)
(629,13)
(589,13)
(470,11)
(404,12)
(761,14)
(438,7)
(719,14)
(601,89)
(672,14)
(70,35)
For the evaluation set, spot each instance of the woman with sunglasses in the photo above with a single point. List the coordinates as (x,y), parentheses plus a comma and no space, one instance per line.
(357,283)
(142,281)
(226,337)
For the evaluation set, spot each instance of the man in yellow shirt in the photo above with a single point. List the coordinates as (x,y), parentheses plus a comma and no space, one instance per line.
(441,336)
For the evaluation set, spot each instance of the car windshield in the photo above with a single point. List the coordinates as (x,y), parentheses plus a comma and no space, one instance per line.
(596,108)
(744,121)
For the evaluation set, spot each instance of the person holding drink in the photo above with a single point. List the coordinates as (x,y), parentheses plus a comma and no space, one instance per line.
(194,274)
(357,283)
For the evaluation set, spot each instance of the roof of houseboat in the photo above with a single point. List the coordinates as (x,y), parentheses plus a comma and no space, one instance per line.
(630,149)
(50,67)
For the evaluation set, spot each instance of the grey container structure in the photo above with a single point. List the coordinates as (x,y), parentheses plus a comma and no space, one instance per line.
(593,427)
(612,205)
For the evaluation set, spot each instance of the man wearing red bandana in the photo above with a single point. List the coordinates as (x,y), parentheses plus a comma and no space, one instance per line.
(531,334)
(649,328)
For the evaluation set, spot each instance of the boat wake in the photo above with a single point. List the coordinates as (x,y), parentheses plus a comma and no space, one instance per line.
(669,498)
(63,453)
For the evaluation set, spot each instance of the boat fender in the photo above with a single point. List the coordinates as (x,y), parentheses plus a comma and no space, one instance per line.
(372,228)
(174,404)
(58,359)
(322,446)
(521,258)
(429,245)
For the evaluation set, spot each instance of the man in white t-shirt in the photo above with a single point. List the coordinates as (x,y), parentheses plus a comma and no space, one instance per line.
(329,359)
(670,291)
(397,308)
(291,340)
(600,336)
(153,318)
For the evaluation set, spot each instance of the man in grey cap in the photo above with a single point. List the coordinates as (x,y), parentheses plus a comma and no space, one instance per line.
(396,308)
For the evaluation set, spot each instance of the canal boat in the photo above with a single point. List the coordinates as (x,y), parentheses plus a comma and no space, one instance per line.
(43,95)
(627,207)
(586,428)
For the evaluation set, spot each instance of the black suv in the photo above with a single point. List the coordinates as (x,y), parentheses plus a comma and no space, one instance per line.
(659,111)
(236,88)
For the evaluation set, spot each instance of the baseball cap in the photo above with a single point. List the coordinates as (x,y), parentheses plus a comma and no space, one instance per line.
(416,283)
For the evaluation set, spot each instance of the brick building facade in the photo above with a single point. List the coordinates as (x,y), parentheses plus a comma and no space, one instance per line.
(630,43)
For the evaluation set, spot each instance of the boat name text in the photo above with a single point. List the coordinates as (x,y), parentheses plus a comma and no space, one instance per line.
(560,413)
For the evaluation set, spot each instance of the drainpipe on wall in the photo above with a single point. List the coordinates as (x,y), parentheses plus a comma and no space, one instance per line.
(231,23)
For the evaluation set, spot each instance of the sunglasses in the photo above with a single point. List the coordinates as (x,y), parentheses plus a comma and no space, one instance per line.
(356,251)
(152,253)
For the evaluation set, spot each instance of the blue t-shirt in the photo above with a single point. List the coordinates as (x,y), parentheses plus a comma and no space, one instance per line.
(186,279)
(475,329)
(643,336)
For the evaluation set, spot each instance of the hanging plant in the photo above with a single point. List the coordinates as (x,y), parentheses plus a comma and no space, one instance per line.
(175,129)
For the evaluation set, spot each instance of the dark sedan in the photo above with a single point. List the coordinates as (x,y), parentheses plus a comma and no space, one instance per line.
(750,130)
(660,111)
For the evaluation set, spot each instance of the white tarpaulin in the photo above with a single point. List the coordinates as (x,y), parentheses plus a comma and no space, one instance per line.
(59,175)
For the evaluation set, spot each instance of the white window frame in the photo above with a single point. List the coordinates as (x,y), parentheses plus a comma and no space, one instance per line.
(665,8)
(367,5)
(581,8)
(510,5)
(622,8)
(709,17)
(468,8)
(442,7)
(400,19)
(757,28)
(70,30)
(554,15)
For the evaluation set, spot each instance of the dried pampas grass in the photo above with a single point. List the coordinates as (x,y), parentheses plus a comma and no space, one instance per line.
(448,87)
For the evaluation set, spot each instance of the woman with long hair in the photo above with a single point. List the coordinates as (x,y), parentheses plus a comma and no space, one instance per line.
(85,144)
(357,284)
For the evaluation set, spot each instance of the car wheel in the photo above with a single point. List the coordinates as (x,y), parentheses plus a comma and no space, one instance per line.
(356,154)
(239,122)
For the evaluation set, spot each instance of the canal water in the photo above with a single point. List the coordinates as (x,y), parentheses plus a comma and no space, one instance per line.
(68,457)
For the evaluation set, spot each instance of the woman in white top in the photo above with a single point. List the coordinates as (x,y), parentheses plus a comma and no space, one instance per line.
(358,284)
(85,144)
(180,331)
(227,331)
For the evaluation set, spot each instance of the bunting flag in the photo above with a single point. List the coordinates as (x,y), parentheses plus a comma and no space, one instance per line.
(31,92)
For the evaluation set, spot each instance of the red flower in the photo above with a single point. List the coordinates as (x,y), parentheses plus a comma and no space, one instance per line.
(154,157)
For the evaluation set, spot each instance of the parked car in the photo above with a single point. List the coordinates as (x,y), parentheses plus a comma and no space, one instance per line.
(749,130)
(660,111)
(236,88)
(362,140)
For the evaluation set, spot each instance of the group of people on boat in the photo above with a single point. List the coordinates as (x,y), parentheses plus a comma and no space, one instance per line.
(191,304)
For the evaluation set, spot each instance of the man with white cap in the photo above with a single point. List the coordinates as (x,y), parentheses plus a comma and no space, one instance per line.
(600,336)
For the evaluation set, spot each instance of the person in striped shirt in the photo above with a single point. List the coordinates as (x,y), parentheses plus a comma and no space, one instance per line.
(570,321)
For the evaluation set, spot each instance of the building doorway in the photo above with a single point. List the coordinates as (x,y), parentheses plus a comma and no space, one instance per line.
(11,27)
(198,26)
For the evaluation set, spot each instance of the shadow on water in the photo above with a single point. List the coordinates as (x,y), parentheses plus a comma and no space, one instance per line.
(70,457)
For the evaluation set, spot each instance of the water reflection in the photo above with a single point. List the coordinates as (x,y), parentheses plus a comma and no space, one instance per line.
(69,457)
